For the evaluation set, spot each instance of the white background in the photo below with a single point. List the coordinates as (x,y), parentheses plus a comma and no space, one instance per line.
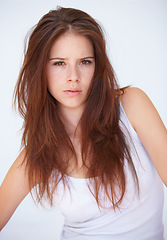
(136,33)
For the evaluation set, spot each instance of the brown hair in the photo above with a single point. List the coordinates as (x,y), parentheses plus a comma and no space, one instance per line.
(48,146)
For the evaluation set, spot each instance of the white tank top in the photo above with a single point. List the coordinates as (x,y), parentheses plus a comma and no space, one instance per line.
(138,218)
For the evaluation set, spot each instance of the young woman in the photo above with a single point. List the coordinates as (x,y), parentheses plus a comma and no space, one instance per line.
(96,151)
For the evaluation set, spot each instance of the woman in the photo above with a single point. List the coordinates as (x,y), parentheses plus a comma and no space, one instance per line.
(89,146)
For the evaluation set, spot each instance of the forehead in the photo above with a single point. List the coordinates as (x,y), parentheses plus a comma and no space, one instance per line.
(70,42)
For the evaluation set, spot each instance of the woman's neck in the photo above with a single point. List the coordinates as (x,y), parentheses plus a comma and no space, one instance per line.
(71,119)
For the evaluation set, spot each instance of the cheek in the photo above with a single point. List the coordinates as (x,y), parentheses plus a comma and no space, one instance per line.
(52,79)
(53,89)
(90,75)
(51,84)
(92,71)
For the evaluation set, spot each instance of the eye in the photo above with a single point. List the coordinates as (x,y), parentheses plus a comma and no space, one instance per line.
(59,63)
(85,62)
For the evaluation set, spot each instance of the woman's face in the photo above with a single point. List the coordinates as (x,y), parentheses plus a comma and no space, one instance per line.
(70,70)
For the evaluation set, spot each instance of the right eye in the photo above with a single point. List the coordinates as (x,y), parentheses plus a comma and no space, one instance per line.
(59,63)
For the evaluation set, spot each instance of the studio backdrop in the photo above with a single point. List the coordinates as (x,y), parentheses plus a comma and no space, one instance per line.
(136,35)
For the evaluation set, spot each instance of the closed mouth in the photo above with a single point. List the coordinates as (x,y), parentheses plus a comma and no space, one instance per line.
(72,90)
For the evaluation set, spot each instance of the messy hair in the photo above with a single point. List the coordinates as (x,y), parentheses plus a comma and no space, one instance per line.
(48,147)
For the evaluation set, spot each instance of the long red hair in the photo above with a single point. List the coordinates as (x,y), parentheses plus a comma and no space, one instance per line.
(48,146)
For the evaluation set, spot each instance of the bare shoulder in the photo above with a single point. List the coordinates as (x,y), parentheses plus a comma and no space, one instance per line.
(146,121)
(133,93)
(137,105)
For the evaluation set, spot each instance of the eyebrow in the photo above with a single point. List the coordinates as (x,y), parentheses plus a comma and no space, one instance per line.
(57,58)
(60,58)
(87,57)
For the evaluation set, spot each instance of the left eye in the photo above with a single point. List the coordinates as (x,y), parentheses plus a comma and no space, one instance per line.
(84,62)
(59,63)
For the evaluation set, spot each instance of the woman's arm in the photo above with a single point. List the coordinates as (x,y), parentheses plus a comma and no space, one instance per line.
(13,190)
(147,123)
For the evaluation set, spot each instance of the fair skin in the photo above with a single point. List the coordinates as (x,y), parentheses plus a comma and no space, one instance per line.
(146,121)
(69,74)
(76,74)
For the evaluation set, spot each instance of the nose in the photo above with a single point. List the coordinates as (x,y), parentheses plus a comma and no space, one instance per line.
(73,74)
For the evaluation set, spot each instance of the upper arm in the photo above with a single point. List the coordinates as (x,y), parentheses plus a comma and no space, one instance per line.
(13,189)
(147,123)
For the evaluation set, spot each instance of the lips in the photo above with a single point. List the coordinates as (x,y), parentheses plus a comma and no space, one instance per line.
(72,92)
